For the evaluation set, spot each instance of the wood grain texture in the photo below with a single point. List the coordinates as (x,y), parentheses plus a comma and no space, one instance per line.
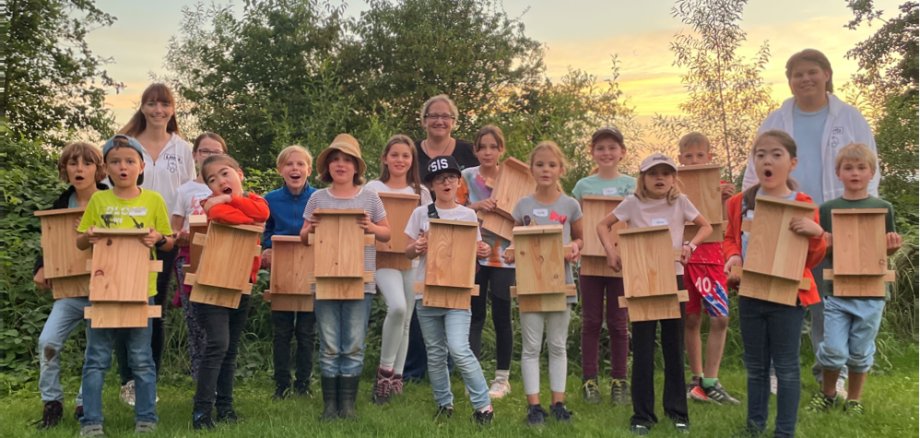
(227,257)
(215,296)
(597,266)
(647,256)
(340,288)
(451,258)
(70,287)
(859,241)
(514,182)
(393,261)
(399,207)
(197,224)
(61,256)
(653,308)
(702,185)
(121,315)
(539,259)
(768,288)
(341,242)
(291,266)
(594,209)
(448,297)
(773,248)
(291,303)
(120,267)
(498,224)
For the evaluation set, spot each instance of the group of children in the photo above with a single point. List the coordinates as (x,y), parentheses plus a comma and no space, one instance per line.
(770,331)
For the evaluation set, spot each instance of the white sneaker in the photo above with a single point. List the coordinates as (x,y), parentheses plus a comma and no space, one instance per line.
(842,388)
(127,393)
(773,384)
(499,388)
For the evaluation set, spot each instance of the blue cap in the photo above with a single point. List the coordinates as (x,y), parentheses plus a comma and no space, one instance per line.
(122,140)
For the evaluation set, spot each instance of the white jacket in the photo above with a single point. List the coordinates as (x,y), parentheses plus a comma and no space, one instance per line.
(844,125)
(175,166)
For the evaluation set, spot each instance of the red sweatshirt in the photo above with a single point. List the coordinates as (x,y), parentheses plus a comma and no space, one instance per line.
(242,210)
(817,246)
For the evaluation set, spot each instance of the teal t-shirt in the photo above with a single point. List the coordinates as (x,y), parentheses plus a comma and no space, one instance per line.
(808,129)
(622,185)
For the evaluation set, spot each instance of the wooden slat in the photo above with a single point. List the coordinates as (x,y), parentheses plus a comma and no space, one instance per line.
(647,255)
(773,248)
(120,315)
(451,258)
(860,247)
(594,209)
(539,259)
(291,303)
(120,267)
(597,266)
(399,207)
(448,297)
(291,266)
(653,308)
(702,185)
(514,182)
(70,287)
(341,242)
(215,296)
(61,256)
(331,288)
(497,224)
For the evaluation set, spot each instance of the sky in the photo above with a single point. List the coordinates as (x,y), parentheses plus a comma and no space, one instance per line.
(577,34)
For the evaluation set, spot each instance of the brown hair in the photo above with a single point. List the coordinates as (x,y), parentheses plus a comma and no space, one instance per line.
(553,148)
(812,55)
(749,196)
(693,138)
(326,177)
(212,136)
(642,191)
(857,152)
(86,151)
(215,160)
(412,176)
(157,92)
(490,129)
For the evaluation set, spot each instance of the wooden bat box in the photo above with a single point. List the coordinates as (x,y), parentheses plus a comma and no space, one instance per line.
(860,253)
(649,276)
(339,271)
(197,223)
(399,207)
(702,185)
(290,286)
(226,263)
(514,182)
(539,258)
(775,259)
(120,270)
(450,265)
(499,223)
(593,256)
(65,264)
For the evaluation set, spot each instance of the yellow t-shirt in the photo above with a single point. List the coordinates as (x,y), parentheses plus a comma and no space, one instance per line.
(147,209)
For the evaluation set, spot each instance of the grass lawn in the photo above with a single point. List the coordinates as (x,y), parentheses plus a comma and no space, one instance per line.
(891,411)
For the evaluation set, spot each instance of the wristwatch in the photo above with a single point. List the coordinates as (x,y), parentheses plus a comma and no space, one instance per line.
(691,245)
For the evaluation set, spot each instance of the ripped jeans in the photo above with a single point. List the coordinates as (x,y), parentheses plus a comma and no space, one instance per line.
(66,314)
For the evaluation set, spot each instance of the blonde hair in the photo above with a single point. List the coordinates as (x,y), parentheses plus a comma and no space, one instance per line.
(286,153)
(439,98)
(857,152)
(691,139)
(86,151)
(642,192)
(554,149)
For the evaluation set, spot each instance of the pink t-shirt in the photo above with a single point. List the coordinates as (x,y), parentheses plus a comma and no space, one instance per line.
(657,212)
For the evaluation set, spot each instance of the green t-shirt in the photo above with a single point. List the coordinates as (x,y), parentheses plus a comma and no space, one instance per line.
(840,203)
(147,209)
(622,185)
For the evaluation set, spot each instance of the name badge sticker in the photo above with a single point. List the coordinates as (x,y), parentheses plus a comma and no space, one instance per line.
(611,191)
(658,221)
(541,212)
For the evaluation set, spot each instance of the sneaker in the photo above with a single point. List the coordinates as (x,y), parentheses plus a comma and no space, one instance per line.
(560,413)
(127,393)
(145,427)
(698,393)
(281,392)
(536,416)
(821,403)
(444,412)
(227,415)
(639,429)
(619,392)
(51,414)
(694,382)
(854,407)
(499,388)
(842,389)
(397,384)
(719,395)
(92,430)
(383,387)
(682,427)
(774,384)
(483,418)
(78,412)
(202,420)
(302,389)
(591,392)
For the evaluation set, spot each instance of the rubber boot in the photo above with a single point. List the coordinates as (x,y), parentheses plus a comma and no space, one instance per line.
(348,393)
(330,398)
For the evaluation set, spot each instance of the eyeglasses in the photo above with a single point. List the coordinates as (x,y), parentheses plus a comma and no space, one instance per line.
(208,152)
(439,116)
(446,177)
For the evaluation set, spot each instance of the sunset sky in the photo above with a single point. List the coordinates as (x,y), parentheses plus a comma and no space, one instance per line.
(576,33)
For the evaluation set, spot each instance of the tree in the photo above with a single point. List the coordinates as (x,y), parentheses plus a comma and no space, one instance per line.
(727,98)
(53,84)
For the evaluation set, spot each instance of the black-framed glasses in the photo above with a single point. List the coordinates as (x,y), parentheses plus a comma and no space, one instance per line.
(439,116)
(446,177)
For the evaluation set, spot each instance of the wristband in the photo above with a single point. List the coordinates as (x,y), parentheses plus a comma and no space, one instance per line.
(160,242)
(691,245)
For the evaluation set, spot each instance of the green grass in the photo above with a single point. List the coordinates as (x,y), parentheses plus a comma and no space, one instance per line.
(890,398)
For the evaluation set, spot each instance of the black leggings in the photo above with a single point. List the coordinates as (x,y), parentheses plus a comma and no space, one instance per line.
(495,283)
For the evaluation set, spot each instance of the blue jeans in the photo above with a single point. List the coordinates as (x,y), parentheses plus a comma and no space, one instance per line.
(851,325)
(448,330)
(342,326)
(816,319)
(99,346)
(772,331)
(66,314)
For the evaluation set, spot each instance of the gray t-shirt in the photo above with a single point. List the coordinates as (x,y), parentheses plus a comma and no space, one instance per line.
(563,211)
(366,200)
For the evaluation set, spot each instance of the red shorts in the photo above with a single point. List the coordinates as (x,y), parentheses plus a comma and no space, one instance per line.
(705,285)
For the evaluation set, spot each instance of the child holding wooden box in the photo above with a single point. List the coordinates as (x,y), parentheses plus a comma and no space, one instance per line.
(771,332)
(851,324)
(657,202)
(707,286)
(600,294)
(447,330)
(343,323)
(81,166)
(549,205)
(287,204)
(125,206)
(223,326)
